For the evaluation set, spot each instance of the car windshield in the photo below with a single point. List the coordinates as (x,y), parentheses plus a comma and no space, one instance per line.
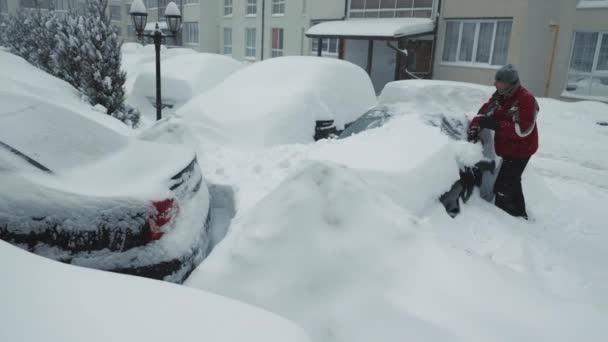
(373,118)
(55,137)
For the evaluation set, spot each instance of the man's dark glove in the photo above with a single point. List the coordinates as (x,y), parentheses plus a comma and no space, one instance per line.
(489,122)
(473,134)
(467,180)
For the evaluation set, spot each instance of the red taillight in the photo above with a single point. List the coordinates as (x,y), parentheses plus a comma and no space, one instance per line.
(165,210)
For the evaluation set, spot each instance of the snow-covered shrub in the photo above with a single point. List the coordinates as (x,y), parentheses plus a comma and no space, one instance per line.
(82,48)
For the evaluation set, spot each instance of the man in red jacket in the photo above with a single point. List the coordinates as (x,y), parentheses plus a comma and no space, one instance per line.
(511,113)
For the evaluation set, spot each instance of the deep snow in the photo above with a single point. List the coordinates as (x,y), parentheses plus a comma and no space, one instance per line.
(43,300)
(363,250)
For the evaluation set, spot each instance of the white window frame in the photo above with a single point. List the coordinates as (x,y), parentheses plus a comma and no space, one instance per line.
(278,51)
(187,34)
(473,62)
(111,7)
(594,73)
(251,4)
(228,8)
(4,9)
(363,13)
(281,8)
(190,2)
(251,48)
(325,51)
(227,48)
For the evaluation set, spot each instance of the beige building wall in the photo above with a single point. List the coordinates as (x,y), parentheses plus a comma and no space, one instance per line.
(295,22)
(535,23)
(476,9)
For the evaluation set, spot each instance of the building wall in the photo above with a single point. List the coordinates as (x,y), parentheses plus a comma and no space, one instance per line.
(595,19)
(295,22)
(471,9)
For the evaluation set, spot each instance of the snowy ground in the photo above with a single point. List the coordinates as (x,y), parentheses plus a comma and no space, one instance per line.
(363,252)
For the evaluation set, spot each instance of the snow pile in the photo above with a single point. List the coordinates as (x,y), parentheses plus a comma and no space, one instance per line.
(340,258)
(43,300)
(184,76)
(430,96)
(172,9)
(138,7)
(253,107)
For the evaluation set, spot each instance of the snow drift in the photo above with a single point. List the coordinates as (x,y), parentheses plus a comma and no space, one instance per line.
(278,100)
(333,254)
(43,300)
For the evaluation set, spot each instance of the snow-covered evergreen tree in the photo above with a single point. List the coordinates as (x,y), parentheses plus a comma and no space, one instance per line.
(68,63)
(81,48)
(102,79)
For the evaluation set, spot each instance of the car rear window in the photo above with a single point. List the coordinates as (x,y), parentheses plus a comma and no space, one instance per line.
(56,137)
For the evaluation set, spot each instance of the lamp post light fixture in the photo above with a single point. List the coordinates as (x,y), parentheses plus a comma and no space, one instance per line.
(173,18)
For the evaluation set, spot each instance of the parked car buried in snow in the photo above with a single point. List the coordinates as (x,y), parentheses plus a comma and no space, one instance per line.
(79,192)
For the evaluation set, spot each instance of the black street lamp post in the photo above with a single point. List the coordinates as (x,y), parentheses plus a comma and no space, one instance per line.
(173,18)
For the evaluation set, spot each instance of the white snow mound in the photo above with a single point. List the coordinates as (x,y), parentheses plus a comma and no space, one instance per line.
(44,300)
(329,252)
(278,100)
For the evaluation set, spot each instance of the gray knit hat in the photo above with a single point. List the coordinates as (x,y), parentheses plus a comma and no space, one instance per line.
(507,74)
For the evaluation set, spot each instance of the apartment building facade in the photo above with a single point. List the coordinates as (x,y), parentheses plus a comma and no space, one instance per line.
(559,46)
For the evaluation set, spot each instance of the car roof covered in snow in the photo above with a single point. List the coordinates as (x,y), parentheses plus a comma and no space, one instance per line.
(278,100)
(54,136)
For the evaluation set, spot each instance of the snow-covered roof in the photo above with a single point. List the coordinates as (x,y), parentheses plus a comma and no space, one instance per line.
(152,26)
(138,7)
(379,28)
(172,9)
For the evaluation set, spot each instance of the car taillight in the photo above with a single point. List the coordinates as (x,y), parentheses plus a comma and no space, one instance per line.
(165,210)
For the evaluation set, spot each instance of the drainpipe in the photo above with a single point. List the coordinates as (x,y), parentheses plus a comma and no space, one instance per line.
(263,26)
(346,9)
(555,28)
(370,54)
(434,47)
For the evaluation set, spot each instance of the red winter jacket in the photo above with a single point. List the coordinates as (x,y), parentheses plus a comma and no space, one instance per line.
(520,108)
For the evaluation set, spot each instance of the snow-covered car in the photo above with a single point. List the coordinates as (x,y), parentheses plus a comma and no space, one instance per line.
(185,75)
(281,101)
(77,191)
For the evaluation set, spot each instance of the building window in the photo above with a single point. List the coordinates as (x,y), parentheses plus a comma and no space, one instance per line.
(162,6)
(250,43)
(227,41)
(277,42)
(186,2)
(60,5)
(130,31)
(3,6)
(151,4)
(115,12)
(391,8)
(278,7)
(252,8)
(477,42)
(329,47)
(190,33)
(227,8)
(38,4)
(588,71)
